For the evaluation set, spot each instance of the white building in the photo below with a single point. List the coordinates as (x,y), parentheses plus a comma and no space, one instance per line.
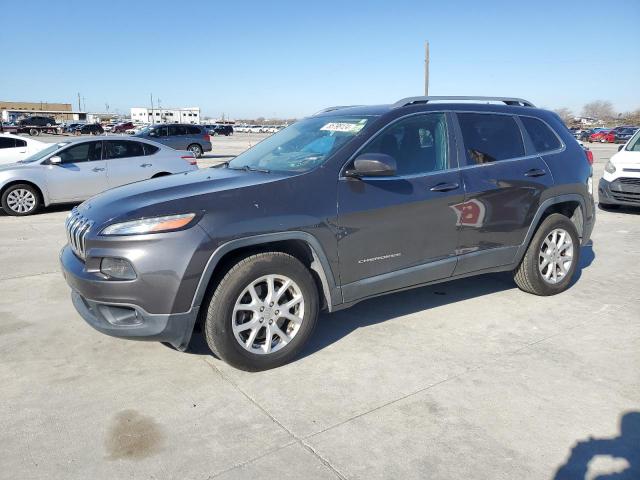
(165,115)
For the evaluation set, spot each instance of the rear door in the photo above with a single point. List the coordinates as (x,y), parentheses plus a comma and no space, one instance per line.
(12,149)
(504,182)
(81,174)
(126,162)
(178,137)
(401,230)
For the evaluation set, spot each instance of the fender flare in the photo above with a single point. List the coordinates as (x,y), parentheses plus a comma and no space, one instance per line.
(570,197)
(320,263)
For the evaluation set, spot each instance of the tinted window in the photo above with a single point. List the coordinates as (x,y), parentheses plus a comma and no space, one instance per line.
(82,152)
(418,144)
(150,149)
(489,137)
(193,130)
(541,135)
(124,148)
(20,143)
(7,142)
(177,130)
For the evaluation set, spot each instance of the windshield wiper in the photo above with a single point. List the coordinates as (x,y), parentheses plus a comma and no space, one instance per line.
(249,168)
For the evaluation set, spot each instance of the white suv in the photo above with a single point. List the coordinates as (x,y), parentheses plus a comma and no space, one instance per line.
(620,183)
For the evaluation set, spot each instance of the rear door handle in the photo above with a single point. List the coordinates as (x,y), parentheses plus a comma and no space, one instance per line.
(444,187)
(535,172)
(96,169)
(145,165)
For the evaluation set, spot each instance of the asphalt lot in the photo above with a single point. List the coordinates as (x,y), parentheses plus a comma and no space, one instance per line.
(471,379)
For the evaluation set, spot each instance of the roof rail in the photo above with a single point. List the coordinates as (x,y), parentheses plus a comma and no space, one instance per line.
(331,109)
(507,100)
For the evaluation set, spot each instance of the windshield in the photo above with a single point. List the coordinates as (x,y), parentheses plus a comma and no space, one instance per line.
(302,146)
(43,153)
(634,143)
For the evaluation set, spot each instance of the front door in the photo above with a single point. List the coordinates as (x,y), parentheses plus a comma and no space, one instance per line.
(503,184)
(81,174)
(401,230)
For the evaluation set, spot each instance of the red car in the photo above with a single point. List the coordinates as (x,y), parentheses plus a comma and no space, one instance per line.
(600,136)
(122,127)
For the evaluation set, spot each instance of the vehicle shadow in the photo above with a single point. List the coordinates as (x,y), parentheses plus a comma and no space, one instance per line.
(625,446)
(333,327)
(620,209)
(59,207)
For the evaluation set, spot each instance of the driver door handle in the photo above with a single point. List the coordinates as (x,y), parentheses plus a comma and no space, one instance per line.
(444,187)
(98,169)
(145,165)
(535,172)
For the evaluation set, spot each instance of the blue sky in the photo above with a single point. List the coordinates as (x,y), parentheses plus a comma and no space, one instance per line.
(292,58)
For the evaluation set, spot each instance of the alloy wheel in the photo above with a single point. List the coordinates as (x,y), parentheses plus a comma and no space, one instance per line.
(556,256)
(268,314)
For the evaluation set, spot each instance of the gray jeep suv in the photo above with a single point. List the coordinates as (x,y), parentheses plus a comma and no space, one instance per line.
(345,205)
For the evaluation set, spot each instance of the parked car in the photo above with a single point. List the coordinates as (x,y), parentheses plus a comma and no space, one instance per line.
(37,121)
(348,204)
(622,135)
(255,129)
(122,127)
(178,136)
(225,130)
(89,129)
(71,127)
(620,182)
(108,127)
(14,148)
(599,136)
(74,170)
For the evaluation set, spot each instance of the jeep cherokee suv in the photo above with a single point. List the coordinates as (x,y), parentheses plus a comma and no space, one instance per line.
(345,205)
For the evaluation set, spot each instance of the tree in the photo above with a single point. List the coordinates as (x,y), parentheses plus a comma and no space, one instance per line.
(600,109)
(565,114)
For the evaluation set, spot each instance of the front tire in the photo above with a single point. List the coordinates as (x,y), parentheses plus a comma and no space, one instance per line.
(552,258)
(21,200)
(262,312)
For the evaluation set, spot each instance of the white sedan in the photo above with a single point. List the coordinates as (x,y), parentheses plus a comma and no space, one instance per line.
(14,148)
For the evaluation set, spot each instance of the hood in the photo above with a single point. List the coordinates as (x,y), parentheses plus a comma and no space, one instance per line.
(16,166)
(625,157)
(179,193)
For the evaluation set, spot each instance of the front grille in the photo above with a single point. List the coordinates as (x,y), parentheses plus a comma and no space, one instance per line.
(629,181)
(77,228)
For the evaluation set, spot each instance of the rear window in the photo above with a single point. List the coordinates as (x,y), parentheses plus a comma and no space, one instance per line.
(490,137)
(150,149)
(193,130)
(543,138)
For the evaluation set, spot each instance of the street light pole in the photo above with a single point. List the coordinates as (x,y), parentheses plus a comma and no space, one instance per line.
(426,69)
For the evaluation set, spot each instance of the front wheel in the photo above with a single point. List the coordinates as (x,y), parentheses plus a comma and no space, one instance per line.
(551,259)
(262,312)
(21,200)
(195,149)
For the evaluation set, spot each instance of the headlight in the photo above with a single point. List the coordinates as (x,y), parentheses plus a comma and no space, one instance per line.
(150,225)
(610,167)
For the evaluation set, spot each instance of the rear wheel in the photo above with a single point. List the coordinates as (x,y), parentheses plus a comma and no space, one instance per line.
(195,149)
(551,259)
(21,200)
(262,312)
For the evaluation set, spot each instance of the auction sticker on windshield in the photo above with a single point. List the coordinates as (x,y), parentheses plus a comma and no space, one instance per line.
(345,126)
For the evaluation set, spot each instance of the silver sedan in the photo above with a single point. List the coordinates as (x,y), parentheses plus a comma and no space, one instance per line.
(74,170)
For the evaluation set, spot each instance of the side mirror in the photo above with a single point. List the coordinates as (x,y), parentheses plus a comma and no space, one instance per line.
(55,160)
(373,165)
(153,133)
(621,147)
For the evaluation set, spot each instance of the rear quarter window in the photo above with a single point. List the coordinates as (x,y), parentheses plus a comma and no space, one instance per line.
(542,137)
(150,149)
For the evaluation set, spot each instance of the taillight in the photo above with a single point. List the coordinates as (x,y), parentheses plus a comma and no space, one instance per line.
(207,137)
(589,155)
(190,159)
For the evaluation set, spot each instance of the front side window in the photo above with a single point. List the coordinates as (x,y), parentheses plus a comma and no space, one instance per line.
(193,130)
(634,143)
(303,146)
(544,140)
(82,152)
(177,130)
(418,144)
(490,137)
(123,149)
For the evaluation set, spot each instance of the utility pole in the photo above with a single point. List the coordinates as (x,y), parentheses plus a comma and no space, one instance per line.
(79,106)
(426,69)
(152,118)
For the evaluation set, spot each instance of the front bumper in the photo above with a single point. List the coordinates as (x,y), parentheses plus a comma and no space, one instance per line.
(619,193)
(122,319)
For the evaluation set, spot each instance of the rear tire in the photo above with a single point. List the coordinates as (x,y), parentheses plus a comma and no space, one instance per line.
(21,200)
(195,149)
(556,242)
(243,297)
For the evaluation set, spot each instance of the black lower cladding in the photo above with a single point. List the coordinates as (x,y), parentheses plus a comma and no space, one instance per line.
(622,191)
(131,322)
